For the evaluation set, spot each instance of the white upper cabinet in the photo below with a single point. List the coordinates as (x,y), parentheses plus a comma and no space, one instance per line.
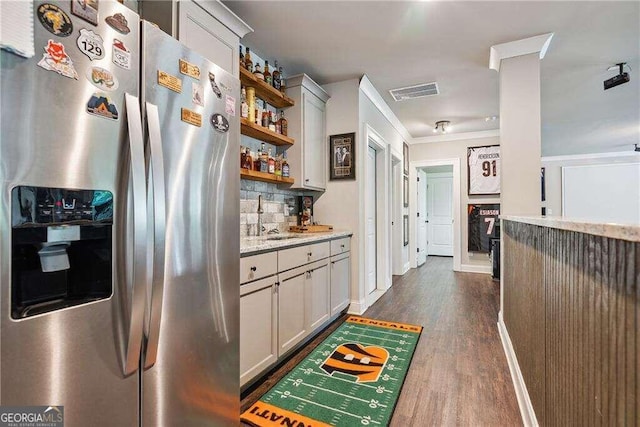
(307,126)
(207,27)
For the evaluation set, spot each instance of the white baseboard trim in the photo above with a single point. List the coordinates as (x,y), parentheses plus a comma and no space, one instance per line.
(406,268)
(470,268)
(357,307)
(524,402)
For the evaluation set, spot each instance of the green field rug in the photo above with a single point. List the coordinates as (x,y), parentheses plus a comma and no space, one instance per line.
(353,378)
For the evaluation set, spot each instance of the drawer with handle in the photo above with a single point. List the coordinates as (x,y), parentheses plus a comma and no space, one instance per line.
(339,246)
(294,257)
(258,266)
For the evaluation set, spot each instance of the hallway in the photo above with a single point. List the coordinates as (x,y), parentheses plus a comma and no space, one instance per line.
(459,373)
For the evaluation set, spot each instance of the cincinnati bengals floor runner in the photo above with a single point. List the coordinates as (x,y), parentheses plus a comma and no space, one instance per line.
(352,378)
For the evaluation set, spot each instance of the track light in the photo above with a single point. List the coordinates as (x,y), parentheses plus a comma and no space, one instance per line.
(443,126)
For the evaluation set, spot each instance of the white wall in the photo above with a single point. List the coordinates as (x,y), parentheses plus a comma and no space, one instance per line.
(458,149)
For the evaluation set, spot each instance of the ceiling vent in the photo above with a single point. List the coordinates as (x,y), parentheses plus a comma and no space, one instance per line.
(413,92)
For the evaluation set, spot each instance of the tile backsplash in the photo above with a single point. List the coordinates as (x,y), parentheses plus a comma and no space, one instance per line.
(279,206)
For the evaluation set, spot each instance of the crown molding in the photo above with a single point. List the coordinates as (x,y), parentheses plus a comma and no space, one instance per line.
(225,15)
(498,52)
(374,96)
(456,136)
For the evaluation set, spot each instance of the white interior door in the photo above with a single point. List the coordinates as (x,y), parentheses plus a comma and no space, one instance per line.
(370,212)
(440,215)
(422,217)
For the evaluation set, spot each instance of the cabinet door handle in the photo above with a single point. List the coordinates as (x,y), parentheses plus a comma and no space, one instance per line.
(342,246)
(310,254)
(306,180)
(254,268)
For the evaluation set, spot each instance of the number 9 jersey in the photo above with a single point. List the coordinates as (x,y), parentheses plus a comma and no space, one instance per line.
(484,169)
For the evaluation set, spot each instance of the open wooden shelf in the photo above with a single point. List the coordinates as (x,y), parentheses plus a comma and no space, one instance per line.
(264,177)
(263,133)
(265,91)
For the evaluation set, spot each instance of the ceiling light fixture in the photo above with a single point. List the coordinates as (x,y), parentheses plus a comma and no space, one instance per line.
(490,118)
(443,126)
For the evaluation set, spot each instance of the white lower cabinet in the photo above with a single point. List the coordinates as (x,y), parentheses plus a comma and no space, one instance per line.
(291,304)
(258,327)
(317,294)
(279,311)
(340,280)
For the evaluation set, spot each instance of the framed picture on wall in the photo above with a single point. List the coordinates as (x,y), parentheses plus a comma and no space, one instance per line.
(483,170)
(342,155)
(405,158)
(405,229)
(405,191)
(484,225)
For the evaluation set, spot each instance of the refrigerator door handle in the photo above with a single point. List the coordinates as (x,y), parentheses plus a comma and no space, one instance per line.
(138,237)
(157,249)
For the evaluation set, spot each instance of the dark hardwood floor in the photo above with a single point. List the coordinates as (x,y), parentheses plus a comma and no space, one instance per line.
(459,373)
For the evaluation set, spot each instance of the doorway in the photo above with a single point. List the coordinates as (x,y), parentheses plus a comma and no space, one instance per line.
(422,217)
(439,218)
(434,169)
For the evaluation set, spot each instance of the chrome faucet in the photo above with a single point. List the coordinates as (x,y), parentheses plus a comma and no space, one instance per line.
(260,212)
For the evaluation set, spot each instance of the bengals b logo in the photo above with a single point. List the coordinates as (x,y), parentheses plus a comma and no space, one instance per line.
(365,363)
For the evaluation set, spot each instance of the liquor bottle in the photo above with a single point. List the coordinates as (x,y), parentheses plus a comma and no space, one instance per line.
(257,72)
(272,123)
(247,60)
(258,113)
(272,163)
(285,165)
(279,165)
(267,74)
(265,118)
(264,160)
(241,58)
(275,76)
(277,122)
(251,101)
(244,108)
(282,80)
(257,161)
(243,156)
(284,125)
(248,163)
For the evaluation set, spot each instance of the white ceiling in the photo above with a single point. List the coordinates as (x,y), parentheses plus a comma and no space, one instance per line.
(400,44)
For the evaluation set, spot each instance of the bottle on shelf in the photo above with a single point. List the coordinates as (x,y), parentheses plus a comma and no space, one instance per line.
(248,163)
(241,58)
(285,165)
(284,125)
(278,166)
(264,159)
(265,118)
(258,113)
(267,73)
(251,102)
(243,156)
(276,120)
(247,60)
(255,159)
(282,80)
(275,76)
(257,72)
(244,108)
(271,164)
(257,162)
(272,123)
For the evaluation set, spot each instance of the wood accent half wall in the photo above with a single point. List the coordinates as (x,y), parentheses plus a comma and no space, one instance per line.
(572,311)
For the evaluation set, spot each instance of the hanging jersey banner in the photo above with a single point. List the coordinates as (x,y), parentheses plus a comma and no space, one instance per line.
(484,169)
(484,225)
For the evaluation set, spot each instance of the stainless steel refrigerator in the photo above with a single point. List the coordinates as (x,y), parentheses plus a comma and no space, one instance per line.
(119,224)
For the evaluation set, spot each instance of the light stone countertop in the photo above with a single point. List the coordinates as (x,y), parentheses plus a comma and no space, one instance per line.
(249,245)
(628,232)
